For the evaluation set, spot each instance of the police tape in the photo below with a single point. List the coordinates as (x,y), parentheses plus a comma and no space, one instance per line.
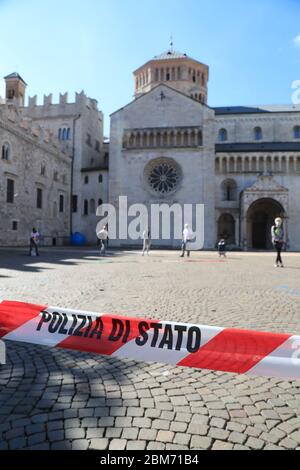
(200,347)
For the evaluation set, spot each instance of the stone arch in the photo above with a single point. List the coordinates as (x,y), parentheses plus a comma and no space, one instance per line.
(260,219)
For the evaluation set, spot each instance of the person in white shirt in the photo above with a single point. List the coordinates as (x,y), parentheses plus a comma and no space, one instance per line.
(186,238)
(103,236)
(147,242)
(34,241)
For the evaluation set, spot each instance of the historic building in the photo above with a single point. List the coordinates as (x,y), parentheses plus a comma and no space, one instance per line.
(77,129)
(167,146)
(242,163)
(35,182)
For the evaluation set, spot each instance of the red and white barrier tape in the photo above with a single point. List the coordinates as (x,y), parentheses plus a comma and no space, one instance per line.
(196,346)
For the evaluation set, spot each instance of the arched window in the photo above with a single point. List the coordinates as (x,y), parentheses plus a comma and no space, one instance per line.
(92,206)
(258,134)
(43,169)
(100,202)
(100,179)
(297,132)
(229,190)
(145,140)
(68,133)
(200,139)
(64,134)
(223,135)
(86,207)
(131,140)
(59,134)
(5,151)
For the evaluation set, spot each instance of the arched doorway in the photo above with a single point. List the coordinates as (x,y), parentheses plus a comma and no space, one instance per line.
(260,219)
(226,228)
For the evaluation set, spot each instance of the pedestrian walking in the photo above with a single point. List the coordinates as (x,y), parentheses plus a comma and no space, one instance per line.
(147,242)
(186,238)
(34,241)
(103,236)
(278,240)
(222,248)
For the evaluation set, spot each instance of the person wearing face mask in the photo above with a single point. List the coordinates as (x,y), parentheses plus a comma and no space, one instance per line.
(278,240)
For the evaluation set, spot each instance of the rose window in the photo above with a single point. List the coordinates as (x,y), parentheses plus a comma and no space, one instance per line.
(163,176)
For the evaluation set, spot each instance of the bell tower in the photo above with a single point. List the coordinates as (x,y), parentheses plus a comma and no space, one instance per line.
(15,89)
(178,71)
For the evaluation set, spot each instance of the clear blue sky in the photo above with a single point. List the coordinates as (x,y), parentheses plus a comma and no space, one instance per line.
(60,45)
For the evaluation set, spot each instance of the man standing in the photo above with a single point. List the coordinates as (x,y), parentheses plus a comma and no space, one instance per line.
(278,240)
(147,241)
(103,236)
(186,238)
(34,240)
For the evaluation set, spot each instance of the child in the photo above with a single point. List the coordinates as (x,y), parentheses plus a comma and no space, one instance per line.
(222,248)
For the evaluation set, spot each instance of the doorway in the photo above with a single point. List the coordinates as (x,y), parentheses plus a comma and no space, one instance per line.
(260,219)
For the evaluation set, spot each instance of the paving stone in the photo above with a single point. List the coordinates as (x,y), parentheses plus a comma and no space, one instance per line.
(56,435)
(141,422)
(237,437)
(288,443)
(36,439)
(136,445)
(221,445)
(156,446)
(256,444)
(178,427)
(161,424)
(99,444)
(218,423)
(17,443)
(135,412)
(123,422)
(113,433)
(200,442)
(219,434)
(74,433)
(182,439)
(118,444)
(80,444)
(95,433)
(184,417)
(130,433)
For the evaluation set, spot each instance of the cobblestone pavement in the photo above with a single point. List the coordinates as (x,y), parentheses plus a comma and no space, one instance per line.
(55,399)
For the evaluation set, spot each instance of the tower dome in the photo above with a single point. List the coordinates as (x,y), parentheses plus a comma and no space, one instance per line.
(177,70)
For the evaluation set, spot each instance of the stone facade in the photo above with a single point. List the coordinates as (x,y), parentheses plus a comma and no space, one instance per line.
(168,146)
(79,129)
(35,181)
(242,163)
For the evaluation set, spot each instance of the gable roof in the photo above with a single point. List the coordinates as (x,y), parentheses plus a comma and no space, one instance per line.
(15,75)
(155,88)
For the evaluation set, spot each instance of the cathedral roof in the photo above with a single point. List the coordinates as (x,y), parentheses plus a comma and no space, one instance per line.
(171,54)
(15,75)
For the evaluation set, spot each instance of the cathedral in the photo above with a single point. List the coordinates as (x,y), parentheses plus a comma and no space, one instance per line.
(167,146)
(242,163)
